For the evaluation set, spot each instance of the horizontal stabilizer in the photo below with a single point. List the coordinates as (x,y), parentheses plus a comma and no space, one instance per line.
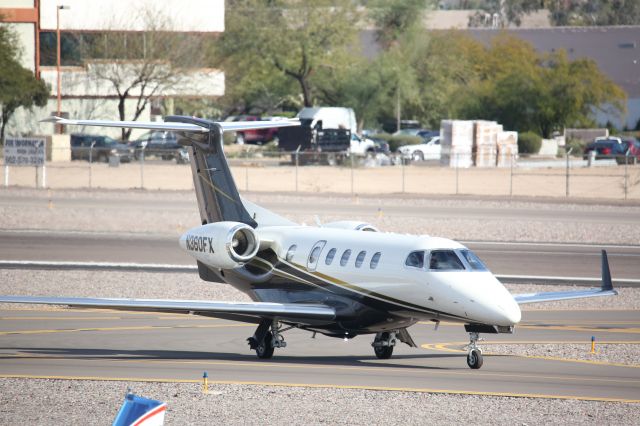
(299,312)
(174,126)
(605,290)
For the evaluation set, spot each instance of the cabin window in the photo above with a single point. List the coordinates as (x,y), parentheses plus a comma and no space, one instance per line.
(330,256)
(312,261)
(445,260)
(291,252)
(374,260)
(415,259)
(360,258)
(345,257)
(473,260)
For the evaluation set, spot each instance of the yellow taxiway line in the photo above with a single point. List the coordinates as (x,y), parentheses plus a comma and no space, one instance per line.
(325,386)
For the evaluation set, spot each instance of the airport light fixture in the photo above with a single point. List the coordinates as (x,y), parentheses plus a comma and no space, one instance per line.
(58,9)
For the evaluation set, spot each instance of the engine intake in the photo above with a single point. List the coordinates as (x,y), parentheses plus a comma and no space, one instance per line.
(224,245)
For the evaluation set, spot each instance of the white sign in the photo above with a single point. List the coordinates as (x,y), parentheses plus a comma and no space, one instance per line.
(24,151)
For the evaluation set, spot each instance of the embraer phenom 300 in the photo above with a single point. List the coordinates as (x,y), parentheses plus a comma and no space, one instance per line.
(341,279)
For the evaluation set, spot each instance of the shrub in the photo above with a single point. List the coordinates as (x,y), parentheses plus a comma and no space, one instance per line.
(577,145)
(529,143)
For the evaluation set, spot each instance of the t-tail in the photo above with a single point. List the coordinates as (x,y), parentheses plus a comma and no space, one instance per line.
(216,191)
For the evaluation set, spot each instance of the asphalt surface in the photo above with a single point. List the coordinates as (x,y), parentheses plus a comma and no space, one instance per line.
(562,260)
(133,346)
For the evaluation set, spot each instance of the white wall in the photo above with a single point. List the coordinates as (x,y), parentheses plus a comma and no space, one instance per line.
(80,82)
(131,15)
(18,4)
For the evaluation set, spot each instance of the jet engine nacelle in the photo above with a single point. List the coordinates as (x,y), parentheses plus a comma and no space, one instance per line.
(351,224)
(224,245)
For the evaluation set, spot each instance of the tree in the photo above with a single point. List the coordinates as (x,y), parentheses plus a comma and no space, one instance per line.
(528,91)
(284,41)
(141,65)
(394,19)
(18,86)
(508,11)
(594,12)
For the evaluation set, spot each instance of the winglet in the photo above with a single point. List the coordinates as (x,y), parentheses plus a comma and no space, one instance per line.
(607,284)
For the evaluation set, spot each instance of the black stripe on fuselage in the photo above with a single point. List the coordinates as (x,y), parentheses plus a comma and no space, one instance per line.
(366,297)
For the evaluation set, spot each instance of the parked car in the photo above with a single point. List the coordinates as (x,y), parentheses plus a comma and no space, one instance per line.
(362,146)
(428,134)
(429,150)
(160,144)
(605,148)
(633,146)
(103,147)
(254,136)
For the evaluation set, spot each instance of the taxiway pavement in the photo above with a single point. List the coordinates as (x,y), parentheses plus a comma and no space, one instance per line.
(108,345)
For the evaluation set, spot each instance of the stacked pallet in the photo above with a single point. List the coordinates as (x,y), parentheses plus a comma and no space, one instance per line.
(456,141)
(507,149)
(485,143)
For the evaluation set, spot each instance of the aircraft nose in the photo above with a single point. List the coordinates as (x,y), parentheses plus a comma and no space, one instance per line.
(511,311)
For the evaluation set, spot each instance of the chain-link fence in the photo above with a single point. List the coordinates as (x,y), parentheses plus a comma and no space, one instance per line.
(273,171)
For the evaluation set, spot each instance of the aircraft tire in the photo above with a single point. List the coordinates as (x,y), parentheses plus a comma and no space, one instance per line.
(383,352)
(474,359)
(265,350)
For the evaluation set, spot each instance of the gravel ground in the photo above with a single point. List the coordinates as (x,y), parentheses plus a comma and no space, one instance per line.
(58,401)
(626,354)
(234,404)
(153,216)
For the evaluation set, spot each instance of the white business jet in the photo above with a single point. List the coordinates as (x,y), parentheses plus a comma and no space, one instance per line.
(341,279)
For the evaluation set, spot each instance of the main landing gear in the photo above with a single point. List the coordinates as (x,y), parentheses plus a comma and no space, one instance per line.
(266,338)
(474,356)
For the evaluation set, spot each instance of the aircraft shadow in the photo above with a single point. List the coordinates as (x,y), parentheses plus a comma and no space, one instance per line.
(90,354)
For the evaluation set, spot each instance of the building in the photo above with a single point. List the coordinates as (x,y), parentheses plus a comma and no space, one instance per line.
(90,64)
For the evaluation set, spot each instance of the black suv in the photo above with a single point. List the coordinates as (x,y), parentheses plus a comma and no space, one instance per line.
(103,148)
(161,144)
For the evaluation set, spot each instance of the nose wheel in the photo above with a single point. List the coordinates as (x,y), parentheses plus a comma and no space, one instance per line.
(383,344)
(474,356)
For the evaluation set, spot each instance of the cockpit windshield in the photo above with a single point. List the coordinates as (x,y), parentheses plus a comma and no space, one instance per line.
(473,260)
(447,260)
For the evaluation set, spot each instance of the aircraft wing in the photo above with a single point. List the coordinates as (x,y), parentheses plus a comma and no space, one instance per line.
(174,126)
(605,290)
(237,311)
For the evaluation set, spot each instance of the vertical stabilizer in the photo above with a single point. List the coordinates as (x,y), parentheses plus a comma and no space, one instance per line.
(216,191)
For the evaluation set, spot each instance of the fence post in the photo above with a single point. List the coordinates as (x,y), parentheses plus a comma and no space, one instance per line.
(44,176)
(511,177)
(142,167)
(567,178)
(297,163)
(6,175)
(457,159)
(351,157)
(402,165)
(246,171)
(91,163)
(626,176)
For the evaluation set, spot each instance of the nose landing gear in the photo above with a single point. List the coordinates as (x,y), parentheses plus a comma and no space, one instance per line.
(474,356)
(383,344)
